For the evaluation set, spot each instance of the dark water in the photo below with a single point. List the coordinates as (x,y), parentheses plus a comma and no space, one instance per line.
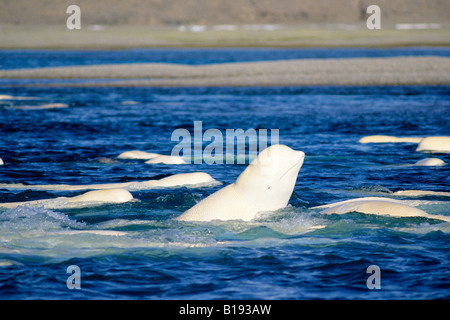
(18,59)
(278,256)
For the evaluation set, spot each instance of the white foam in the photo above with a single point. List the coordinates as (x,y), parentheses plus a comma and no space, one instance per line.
(426,228)
(96,232)
(296,224)
(7,263)
(111,224)
(26,219)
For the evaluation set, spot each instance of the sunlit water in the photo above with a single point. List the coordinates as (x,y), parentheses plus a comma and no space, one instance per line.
(277,256)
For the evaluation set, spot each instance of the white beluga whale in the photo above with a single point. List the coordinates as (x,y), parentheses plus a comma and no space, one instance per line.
(1,162)
(129,102)
(434,145)
(430,162)
(188,180)
(378,206)
(389,139)
(8,97)
(91,198)
(265,185)
(42,106)
(192,179)
(137,155)
(420,193)
(152,158)
(162,159)
(109,195)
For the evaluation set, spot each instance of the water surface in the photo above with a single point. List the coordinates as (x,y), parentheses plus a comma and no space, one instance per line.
(277,256)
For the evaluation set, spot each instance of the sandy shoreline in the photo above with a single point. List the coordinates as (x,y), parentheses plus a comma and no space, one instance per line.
(357,71)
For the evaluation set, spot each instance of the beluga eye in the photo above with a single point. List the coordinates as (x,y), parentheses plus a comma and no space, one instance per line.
(268,188)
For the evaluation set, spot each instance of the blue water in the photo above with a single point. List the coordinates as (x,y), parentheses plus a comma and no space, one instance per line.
(278,256)
(19,59)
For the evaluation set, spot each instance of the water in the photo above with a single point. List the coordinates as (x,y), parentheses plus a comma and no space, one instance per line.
(278,256)
(18,59)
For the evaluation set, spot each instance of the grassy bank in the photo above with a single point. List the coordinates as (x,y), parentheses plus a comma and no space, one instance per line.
(115,37)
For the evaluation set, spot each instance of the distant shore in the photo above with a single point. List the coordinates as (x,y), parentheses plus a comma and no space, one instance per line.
(357,71)
(98,37)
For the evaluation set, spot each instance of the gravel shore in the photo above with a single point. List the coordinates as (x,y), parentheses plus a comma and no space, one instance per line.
(358,71)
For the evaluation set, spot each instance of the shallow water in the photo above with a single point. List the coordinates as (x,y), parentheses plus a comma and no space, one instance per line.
(18,59)
(279,255)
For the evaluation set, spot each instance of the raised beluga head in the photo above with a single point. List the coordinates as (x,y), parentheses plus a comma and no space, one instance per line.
(270,179)
(265,185)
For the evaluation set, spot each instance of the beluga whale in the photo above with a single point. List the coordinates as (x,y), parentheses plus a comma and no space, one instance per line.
(440,144)
(378,206)
(265,185)
(137,155)
(91,198)
(188,180)
(430,162)
(389,139)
